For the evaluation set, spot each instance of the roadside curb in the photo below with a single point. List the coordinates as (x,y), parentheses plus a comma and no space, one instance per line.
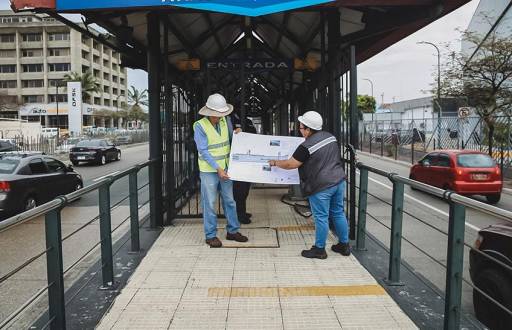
(507,191)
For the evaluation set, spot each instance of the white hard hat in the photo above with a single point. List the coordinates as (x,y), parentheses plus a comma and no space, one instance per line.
(216,106)
(312,119)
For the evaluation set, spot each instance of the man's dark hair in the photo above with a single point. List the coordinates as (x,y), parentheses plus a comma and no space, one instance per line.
(313,131)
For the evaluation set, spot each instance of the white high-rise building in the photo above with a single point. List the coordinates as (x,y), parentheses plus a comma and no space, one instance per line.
(36,51)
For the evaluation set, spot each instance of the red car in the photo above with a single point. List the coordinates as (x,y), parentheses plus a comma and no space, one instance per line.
(464,171)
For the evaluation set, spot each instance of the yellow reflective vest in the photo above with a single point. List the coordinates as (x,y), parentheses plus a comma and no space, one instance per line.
(218,144)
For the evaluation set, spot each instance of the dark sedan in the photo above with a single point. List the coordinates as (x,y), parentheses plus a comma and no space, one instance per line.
(98,151)
(31,179)
(493,278)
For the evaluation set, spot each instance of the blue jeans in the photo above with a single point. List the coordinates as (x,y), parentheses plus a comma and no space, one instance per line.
(210,186)
(327,204)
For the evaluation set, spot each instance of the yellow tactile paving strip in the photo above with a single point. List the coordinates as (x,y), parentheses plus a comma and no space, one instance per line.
(184,284)
(305,291)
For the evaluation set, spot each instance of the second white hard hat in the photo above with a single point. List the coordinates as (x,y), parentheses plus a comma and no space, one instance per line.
(312,119)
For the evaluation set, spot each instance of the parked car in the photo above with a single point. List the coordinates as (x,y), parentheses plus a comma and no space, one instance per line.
(30,179)
(463,171)
(491,277)
(68,144)
(123,139)
(7,146)
(98,151)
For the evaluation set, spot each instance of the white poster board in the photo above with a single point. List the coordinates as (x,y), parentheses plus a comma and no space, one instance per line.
(75,107)
(250,154)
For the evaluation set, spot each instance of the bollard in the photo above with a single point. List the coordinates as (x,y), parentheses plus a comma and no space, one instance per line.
(107,268)
(382,146)
(395,250)
(454,266)
(412,151)
(134,212)
(54,270)
(361,216)
(370,143)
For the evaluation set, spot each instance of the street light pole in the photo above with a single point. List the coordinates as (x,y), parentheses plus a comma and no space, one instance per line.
(438,89)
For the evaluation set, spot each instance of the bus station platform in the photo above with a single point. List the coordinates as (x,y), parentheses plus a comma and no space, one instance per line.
(261,284)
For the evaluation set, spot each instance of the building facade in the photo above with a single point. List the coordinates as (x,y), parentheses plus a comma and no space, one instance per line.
(36,52)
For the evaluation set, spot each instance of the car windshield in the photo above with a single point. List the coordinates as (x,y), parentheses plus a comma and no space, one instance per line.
(89,143)
(475,160)
(8,165)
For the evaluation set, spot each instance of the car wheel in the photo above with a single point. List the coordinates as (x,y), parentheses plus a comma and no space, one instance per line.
(413,178)
(498,286)
(118,156)
(30,203)
(75,163)
(103,160)
(493,199)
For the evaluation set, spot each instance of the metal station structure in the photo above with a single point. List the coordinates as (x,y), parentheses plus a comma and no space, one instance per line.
(272,59)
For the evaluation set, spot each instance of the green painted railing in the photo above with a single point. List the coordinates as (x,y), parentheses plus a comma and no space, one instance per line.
(455,235)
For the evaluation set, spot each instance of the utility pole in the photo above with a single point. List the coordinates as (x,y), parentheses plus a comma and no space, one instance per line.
(438,90)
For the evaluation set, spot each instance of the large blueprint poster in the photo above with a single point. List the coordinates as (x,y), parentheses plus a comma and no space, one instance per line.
(250,154)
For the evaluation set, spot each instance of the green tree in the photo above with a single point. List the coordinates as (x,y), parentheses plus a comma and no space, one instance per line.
(483,77)
(89,83)
(366,103)
(137,98)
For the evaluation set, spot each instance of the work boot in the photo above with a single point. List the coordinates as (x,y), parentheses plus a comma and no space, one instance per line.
(244,219)
(236,237)
(314,252)
(248,215)
(214,242)
(341,248)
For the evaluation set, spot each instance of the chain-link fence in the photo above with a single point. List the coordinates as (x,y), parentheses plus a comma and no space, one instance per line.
(411,139)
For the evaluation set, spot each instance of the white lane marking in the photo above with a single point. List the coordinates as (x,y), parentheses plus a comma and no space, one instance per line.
(424,204)
(103,177)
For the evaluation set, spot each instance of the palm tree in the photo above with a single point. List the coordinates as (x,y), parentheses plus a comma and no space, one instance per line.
(137,98)
(89,83)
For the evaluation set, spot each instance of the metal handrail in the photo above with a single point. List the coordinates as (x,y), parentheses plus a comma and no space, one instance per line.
(51,210)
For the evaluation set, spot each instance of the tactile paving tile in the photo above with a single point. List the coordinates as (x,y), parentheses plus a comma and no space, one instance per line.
(258,237)
(254,319)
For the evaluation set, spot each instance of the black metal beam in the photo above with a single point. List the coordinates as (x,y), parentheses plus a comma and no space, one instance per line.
(211,32)
(210,24)
(191,51)
(287,33)
(284,25)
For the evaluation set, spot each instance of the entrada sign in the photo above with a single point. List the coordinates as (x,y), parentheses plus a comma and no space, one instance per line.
(237,7)
(250,65)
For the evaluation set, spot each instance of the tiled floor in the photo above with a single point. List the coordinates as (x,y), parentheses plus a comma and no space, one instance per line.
(262,284)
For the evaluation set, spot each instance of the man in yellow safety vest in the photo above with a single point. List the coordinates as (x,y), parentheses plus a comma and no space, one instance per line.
(212,135)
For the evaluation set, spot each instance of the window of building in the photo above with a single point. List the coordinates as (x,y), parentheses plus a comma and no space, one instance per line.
(31,37)
(95,45)
(106,102)
(48,19)
(106,76)
(33,98)
(59,52)
(106,89)
(8,68)
(7,53)
(32,83)
(10,19)
(96,59)
(105,63)
(8,84)
(97,101)
(60,36)
(122,81)
(32,53)
(114,103)
(52,67)
(85,68)
(85,55)
(7,37)
(114,78)
(32,67)
(55,82)
(96,73)
(58,98)
(85,39)
(114,66)
(122,92)
(114,91)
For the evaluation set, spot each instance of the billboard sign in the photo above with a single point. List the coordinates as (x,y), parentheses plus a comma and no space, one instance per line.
(75,107)
(237,7)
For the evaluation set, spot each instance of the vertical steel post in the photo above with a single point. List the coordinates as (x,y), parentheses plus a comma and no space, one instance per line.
(107,268)
(454,262)
(54,270)
(134,212)
(354,136)
(242,97)
(361,217)
(395,253)
(155,129)
(334,36)
(169,136)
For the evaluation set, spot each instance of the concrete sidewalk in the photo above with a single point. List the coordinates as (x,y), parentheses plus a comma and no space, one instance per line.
(265,283)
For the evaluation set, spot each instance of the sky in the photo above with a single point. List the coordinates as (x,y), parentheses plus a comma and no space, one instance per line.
(403,71)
